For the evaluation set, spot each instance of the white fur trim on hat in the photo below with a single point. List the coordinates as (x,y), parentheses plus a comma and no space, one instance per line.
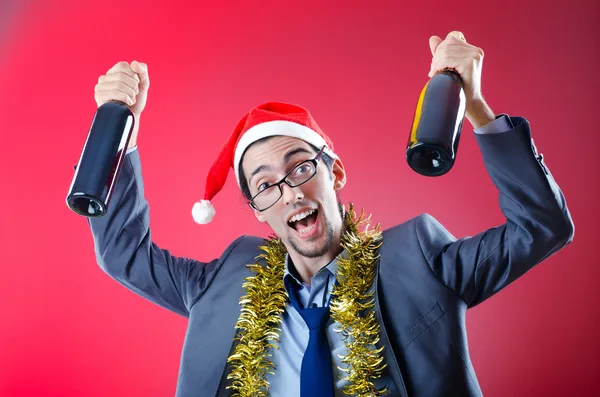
(203,212)
(277,127)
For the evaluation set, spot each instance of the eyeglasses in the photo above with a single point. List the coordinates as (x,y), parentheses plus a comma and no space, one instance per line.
(300,174)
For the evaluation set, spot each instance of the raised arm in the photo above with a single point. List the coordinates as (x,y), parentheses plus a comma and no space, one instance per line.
(538,222)
(125,250)
(122,237)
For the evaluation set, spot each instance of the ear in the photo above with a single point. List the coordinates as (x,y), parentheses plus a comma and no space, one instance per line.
(339,174)
(259,215)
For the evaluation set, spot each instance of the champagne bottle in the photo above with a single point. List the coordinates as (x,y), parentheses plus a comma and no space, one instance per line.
(437,125)
(101,160)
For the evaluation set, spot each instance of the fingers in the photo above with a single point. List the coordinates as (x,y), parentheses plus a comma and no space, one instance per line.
(434,42)
(116,85)
(455,60)
(123,67)
(457,35)
(141,69)
(453,40)
(122,82)
(118,79)
(458,52)
(455,51)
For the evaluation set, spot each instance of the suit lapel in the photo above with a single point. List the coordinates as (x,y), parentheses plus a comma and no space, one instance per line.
(222,390)
(388,353)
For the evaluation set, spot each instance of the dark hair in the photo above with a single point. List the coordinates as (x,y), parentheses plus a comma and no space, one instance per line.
(328,160)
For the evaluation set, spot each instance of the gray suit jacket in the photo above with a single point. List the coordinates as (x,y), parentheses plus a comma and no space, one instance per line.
(427,278)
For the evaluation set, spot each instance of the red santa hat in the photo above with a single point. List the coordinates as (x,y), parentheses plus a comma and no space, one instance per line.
(268,119)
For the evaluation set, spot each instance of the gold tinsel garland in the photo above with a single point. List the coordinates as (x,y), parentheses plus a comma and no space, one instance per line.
(351,307)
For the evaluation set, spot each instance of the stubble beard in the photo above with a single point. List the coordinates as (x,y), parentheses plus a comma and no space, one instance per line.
(318,251)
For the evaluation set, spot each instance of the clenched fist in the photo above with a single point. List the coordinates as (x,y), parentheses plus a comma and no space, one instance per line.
(455,53)
(127,83)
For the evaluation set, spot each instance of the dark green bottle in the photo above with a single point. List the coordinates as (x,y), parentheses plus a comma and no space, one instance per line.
(101,160)
(437,124)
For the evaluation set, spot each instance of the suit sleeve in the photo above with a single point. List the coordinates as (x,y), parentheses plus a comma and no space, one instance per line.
(538,222)
(126,252)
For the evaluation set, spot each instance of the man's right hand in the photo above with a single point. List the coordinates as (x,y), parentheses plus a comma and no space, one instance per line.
(127,83)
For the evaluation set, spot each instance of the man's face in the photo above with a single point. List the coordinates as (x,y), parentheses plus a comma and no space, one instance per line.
(265,163)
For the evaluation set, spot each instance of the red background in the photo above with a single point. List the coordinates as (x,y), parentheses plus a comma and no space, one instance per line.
(67,329)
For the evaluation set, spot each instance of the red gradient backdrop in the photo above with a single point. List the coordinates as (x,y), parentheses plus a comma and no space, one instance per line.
(67,329)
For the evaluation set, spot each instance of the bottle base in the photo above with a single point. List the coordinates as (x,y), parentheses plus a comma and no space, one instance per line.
(86,205)
(429,160)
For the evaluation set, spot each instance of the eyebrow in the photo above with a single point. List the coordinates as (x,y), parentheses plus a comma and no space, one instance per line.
(286,160)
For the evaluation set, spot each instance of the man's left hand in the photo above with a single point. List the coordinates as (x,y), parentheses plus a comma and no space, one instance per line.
(466,59)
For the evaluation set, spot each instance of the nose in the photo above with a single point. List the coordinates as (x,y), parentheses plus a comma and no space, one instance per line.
(291,194)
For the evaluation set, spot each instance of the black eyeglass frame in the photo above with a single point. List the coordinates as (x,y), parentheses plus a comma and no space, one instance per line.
(314,161)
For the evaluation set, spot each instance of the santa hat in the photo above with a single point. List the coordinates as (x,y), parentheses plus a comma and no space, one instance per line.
(268,119)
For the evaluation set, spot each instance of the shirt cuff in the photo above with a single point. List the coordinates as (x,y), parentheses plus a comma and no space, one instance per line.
(498,126)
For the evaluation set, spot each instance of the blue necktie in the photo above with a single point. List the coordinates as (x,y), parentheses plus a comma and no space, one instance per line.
(316,373)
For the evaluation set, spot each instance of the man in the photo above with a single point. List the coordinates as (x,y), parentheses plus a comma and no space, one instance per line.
(264,316)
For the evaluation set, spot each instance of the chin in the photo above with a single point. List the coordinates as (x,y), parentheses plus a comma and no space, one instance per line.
(316,247)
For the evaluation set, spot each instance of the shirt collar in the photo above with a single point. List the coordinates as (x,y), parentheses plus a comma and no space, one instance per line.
(331,267)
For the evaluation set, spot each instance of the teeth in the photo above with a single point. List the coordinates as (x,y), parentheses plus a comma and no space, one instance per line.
(300,216)
(306,230)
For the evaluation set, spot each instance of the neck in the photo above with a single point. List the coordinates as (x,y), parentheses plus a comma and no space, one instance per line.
(308,267)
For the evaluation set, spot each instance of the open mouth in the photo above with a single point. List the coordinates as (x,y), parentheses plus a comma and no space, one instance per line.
(305,222)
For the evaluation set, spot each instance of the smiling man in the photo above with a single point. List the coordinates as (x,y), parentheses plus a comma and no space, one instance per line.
(328,307)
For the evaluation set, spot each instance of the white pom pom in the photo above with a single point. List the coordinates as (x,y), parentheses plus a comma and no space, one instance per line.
(203,212)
